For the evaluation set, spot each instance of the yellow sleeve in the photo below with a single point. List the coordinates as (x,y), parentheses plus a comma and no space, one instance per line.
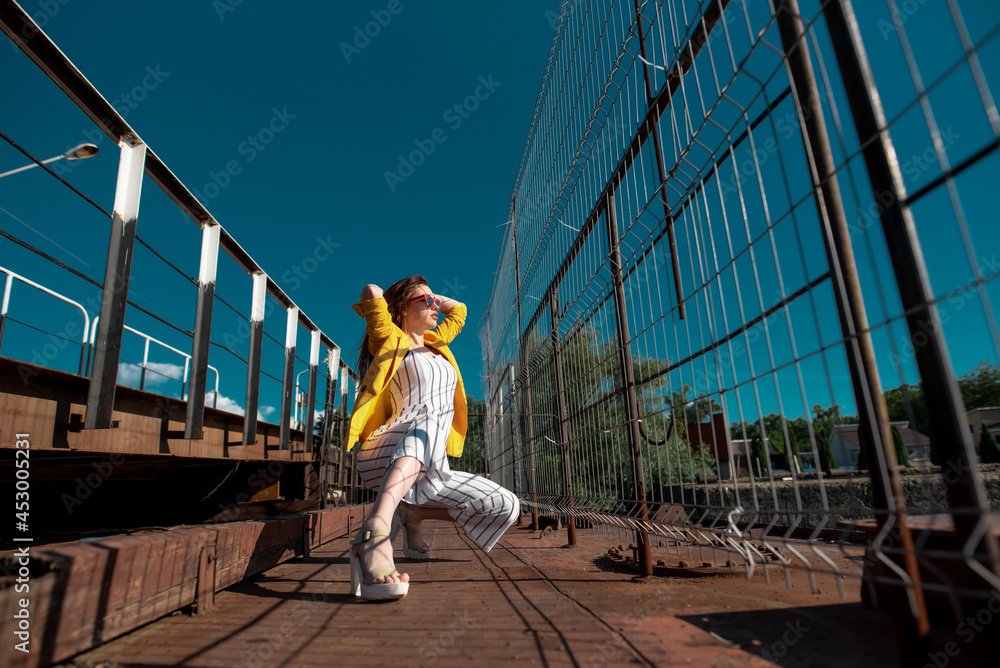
(378,321)
(452,324)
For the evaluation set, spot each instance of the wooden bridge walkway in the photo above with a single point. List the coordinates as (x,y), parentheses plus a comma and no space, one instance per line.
(528,602)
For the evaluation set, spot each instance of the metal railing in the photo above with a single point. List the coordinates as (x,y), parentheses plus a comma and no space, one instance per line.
(720,248)
(5,305)
(137,163)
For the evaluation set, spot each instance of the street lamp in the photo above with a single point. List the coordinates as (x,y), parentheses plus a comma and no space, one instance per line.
(76,153)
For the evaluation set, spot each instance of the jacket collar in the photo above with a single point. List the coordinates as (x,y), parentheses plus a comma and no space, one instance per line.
(431,340)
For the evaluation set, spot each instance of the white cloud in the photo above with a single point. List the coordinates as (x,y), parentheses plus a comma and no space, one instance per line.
(156,374)
(163,373)
(224,403)
(231,406)
(129,374)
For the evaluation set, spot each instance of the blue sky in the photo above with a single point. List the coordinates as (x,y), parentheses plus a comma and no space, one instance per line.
(301,130)
(957,252)
(285,119)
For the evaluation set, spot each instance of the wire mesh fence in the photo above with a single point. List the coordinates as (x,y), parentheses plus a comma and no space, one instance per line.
(746,296)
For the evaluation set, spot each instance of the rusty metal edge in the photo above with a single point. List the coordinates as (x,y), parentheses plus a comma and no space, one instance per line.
(66,620)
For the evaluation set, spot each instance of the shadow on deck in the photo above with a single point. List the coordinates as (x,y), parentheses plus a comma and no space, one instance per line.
(527,602)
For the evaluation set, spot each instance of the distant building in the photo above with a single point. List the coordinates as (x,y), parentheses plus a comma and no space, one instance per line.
(743,454)
(984,416)
(713,438)
(845,446)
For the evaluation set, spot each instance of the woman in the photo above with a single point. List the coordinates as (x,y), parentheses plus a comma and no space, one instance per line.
(409,414)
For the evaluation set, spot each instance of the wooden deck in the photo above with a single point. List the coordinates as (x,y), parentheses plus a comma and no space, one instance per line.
(528,602)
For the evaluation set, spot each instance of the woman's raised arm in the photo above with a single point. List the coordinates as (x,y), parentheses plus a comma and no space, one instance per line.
(371,291)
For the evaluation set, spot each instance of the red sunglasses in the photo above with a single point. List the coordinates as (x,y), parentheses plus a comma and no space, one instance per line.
(427,299)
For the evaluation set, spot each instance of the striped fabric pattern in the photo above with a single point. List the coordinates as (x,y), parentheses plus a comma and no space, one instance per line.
(421,395)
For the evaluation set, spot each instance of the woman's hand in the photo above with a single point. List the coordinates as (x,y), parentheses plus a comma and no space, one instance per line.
(371,291)
(446,303)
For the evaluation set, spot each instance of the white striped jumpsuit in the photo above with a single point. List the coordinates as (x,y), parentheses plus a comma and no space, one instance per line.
(421,394)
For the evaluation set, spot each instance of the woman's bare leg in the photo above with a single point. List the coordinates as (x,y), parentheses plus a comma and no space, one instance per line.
(399,477)
(421,513)
(417,514)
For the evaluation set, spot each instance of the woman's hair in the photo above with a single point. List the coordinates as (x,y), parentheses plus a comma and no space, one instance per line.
(395,297)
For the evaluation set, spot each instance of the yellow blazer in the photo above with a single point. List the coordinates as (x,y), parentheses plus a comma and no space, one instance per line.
(388,344)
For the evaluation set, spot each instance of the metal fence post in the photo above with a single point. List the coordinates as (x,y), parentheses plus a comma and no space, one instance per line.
(311,390)
(654,131)
(874,431)
(530,436)
(342,479)
(107,348)
(948,425)
(628,384)
(5,304)
(567,482)
(332,367)
(195,422)
(257,305)
(288,382)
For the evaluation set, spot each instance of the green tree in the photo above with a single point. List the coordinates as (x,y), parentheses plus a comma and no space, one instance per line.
(862,464)
(988,451)
(473,459)
(696,410)
(761,461)
(823,422)
(600,451)
(981,386)
(897,441)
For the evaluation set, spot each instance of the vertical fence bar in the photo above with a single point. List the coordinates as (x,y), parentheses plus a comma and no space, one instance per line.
(332,368)
(344,429)
(654,132)
(515,437)
(567,483)
(311,391)
(524,405)
(253,359)
(530,435)
(949,429)
(288,383)
(107,348)
(628,385)
(6,304)
(195,422)
(145,362)
(874,431)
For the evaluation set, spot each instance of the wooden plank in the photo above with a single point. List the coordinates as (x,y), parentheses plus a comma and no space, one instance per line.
(103,589)
(46,402)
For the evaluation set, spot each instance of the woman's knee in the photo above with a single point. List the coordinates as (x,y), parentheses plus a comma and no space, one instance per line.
(510,501)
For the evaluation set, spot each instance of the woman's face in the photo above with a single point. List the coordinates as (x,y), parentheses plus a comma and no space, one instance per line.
(417,315)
